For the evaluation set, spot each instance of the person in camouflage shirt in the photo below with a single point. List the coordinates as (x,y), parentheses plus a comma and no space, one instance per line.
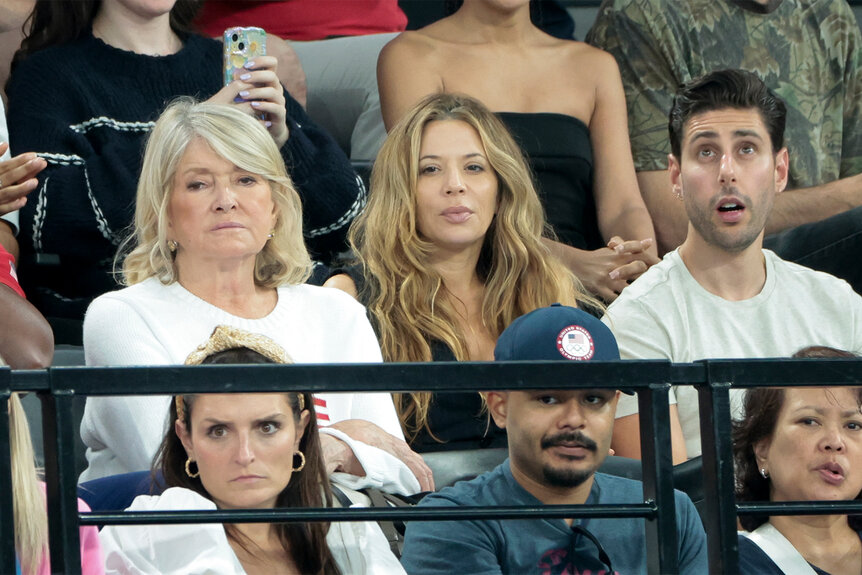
(808,51)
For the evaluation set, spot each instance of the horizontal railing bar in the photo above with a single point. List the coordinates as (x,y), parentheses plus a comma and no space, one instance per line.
(800,508)
(786,372)
(388,377)
(292,515)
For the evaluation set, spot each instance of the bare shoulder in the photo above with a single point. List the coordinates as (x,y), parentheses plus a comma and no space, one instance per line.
(410,46)
(344,283)
(592,59)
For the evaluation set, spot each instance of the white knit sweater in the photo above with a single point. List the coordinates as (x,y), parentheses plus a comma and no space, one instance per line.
(154,324)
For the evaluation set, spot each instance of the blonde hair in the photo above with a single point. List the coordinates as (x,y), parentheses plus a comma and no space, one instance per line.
(28,499)
(403,293)
(238,138)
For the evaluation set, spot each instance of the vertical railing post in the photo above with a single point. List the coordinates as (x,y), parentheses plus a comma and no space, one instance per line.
(718,479)
(7,522)
(657,465)
(58,429)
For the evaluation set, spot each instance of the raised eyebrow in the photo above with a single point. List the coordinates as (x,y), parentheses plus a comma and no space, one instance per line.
(748,134)
(703,136)
(268,418)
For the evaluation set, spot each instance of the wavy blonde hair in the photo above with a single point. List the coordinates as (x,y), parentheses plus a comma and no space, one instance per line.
(28,500)
(406,297)
(238,138)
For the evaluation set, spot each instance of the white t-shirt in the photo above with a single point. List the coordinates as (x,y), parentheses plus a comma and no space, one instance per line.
(358,548)
(154,324)
(666,314)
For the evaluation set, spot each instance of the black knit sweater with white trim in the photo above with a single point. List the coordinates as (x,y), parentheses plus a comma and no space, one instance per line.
(87,108)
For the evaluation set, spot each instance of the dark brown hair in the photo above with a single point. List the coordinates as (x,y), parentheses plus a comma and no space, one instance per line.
(762,406)
(54,22)
(721,89)
(305,542)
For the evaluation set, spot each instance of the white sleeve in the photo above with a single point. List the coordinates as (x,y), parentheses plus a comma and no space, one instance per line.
(169,549)
(115,334)
(360,548)
(638,337)
(122,433)
(382,470)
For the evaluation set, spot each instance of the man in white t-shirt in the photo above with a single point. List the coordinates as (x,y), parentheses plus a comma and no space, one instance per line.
(720,295)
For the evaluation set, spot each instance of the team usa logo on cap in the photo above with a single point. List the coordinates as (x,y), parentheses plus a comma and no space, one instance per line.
(575,342)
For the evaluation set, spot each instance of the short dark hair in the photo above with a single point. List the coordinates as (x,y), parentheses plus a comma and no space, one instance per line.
(762,406)
(726,89)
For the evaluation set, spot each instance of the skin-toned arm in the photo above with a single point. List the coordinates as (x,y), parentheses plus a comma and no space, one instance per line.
(619,207)
(627,437)
(399,85)
(667,211)
(26,339)
(806,205)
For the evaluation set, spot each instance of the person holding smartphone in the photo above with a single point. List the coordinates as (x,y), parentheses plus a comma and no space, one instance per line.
(87,85)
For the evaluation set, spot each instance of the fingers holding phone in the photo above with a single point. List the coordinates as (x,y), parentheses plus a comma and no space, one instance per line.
(251,80)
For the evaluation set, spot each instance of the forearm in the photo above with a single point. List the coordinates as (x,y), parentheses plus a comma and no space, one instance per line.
(665,209)
(26,341)
(806,205)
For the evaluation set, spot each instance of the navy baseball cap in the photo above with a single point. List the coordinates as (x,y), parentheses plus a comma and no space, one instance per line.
(557,332)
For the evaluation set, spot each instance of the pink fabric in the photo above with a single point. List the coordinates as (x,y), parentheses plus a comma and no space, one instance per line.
(92,561)
(303,20)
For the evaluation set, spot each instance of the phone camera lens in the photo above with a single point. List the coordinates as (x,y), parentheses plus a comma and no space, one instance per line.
(241,46)
(234,37)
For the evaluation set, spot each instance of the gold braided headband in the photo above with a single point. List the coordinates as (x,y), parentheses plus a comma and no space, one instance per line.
(225,337)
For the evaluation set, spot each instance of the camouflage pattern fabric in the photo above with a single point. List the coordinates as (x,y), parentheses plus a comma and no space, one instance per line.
(808,51)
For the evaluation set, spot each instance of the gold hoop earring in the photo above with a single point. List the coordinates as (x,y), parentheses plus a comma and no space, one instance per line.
(301,462)
(188,469)
(172,246)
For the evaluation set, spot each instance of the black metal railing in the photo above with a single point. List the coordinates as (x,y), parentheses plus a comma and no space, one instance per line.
(57,388)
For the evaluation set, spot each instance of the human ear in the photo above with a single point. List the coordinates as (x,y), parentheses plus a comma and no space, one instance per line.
(185,438)
(673,169)
(498,406)
(301,426)
(761,452)
(782,169)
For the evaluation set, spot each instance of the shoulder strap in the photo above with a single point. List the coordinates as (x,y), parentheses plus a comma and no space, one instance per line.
(780,550)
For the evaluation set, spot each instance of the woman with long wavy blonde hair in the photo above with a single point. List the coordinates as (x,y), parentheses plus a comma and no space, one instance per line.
(449,252)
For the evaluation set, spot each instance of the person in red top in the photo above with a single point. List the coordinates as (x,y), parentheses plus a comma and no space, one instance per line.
(26,340)
(329,64)
(305,20)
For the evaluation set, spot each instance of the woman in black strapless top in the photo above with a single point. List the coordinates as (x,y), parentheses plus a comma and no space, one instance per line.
(563,102)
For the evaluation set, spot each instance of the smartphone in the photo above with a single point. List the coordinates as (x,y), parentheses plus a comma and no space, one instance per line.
(240,46)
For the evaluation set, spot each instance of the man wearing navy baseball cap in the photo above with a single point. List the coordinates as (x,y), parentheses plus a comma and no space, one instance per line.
(557,441)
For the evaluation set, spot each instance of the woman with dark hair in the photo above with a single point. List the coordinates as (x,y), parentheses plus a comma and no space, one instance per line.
(800,444)
(243,451)
(87,85)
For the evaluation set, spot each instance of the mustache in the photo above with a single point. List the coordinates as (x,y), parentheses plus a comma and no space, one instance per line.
(569,437)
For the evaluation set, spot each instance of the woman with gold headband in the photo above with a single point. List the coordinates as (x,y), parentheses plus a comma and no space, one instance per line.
(243,451)
(218,241)
(449,252)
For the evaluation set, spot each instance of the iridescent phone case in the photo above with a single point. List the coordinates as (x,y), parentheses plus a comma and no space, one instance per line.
(240,46)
